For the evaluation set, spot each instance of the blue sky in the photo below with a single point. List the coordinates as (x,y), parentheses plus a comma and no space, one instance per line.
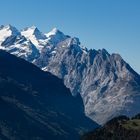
(110,24)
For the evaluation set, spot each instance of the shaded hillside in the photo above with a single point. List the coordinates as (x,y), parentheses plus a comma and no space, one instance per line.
(120,128)
(35,105)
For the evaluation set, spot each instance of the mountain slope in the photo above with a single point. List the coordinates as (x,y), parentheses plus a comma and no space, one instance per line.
(36,104)
(108,86)
(120,128)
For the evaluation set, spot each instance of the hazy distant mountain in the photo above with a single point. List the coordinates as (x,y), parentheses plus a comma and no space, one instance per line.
(35,105)
(108,86)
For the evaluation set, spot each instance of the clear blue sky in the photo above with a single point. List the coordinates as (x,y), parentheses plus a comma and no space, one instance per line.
(110,24)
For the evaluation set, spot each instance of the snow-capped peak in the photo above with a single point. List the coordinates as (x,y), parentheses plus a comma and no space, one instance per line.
(7,31)
(33,31)
(32,28)
(10,28)
(35,36)
(53,32)
(55,36)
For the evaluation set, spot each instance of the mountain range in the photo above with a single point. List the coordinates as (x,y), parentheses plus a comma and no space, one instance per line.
(108,85)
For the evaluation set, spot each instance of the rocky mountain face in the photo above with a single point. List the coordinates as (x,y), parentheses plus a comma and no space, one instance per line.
(107,84)
(120,128)
(35,105)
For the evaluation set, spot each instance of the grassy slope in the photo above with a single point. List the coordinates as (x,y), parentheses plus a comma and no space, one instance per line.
(120,128)
(132,124)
